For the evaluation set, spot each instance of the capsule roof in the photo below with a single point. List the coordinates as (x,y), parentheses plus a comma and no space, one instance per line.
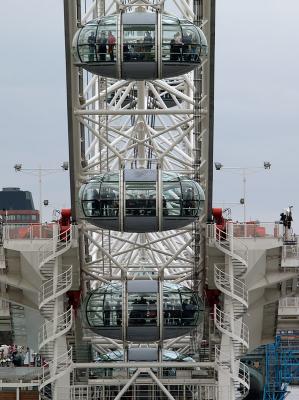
(139,46)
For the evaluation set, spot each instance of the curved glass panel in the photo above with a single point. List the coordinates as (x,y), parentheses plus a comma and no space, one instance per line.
(168,355)
(86,43)
(172,197)
(100,197)
(191,43)
(97,41)
(182,201)
(104,307)
(181,307)
(171,39)
(99,44)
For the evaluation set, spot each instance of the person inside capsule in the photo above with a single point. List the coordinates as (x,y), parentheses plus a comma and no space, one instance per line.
(126,38)
(182,201)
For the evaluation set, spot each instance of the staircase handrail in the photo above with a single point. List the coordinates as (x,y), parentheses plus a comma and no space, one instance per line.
(223,322)
(241,376)
(223,282)
(224,239)
(62,284)
(244,374)
(57,244)
(50,330)
(218,355)
(56,368)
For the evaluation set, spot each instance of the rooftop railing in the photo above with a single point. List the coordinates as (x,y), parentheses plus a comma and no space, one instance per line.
(289,302)
(28,231)
(291,250)
(258,230)
(255,229)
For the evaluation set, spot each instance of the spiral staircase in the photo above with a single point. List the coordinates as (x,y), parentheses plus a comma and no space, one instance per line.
(57,323)
(228,280)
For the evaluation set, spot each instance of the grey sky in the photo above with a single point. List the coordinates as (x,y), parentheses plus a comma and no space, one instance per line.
(33,101)
(256,104)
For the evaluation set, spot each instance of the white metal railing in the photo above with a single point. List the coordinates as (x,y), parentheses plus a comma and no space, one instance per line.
(58,244)
(222,359)
(86,392)
(55,368)
(237,331)
(251,230)
(244,373)
(243,378)
(56,286)
(99,392)
(241,375)
(290,251)
(28,231)
(228,243)
(289,302)
(232,286)
(258,230)
(50,330)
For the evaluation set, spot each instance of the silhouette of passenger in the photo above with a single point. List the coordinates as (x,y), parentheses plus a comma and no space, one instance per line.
(102,42)
(167,313)
(151,205)
(176,48)
(91,46)
(118,308)
(189,202)
(188,312)
(186,46)
(148,45)
(185,312)
(152,314)
(142,204)
(134,313)
(143,310)
(105,202)
(111,45)
(177,313)
(107,312)
(110,202)
(126,52)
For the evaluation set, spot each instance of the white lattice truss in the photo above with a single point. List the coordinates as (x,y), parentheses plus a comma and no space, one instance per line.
(129,124)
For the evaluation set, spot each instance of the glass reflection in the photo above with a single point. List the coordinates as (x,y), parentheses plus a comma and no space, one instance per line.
(100,197)
(182,197)
(138,42)
(104,307)
(141,198)
(142,309)
(97,41)
(181,307)
(182,41)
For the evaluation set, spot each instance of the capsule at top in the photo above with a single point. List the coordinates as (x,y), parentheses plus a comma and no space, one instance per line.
(139,46)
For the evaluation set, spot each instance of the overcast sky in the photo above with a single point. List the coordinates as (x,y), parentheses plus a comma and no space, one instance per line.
(256,101)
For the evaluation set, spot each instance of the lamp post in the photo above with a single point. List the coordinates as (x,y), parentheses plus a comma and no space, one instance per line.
(245,171)
(40,173)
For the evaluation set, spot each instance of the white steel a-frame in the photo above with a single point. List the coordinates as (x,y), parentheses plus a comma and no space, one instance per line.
(108,133)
